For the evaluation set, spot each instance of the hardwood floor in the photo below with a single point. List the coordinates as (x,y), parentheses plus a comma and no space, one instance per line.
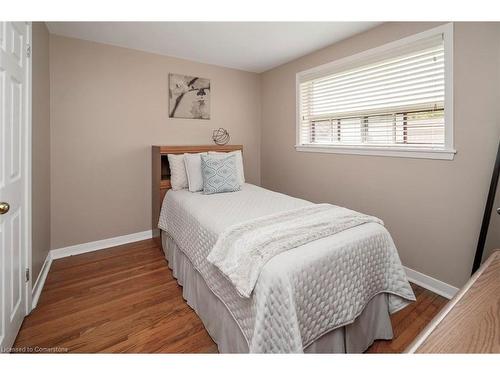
(410,321)
(124,299)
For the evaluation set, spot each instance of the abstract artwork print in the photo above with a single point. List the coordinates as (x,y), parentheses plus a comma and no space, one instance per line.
(189,97)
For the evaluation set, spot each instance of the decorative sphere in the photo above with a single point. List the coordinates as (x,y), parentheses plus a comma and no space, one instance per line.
(220,136)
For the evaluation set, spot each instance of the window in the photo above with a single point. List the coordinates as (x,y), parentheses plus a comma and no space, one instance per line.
(394,100)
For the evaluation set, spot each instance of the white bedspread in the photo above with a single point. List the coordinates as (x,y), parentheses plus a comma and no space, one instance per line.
(300,294)
(242,250)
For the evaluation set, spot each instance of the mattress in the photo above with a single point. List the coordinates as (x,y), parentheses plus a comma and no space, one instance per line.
(301,294)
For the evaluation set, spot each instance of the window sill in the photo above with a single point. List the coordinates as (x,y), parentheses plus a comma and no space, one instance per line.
(380,151)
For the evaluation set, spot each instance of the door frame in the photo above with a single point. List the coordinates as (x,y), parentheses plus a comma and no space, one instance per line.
(27,169)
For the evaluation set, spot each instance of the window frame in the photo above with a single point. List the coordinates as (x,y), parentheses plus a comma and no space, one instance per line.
(447,153)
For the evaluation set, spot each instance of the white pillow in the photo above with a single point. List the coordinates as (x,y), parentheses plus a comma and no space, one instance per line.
(178,177)
(193,171)
(239,162)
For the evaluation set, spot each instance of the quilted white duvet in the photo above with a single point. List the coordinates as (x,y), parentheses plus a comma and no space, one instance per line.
(301,294)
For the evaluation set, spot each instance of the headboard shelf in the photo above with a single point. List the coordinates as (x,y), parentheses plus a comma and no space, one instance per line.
(195,149)
(165,170)
(161,173)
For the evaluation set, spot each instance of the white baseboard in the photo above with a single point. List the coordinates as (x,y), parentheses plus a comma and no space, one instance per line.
(40,281)
(99,245)
(430,283)
(80,249)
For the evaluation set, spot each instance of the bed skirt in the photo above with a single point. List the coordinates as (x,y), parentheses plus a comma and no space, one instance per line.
(373,324)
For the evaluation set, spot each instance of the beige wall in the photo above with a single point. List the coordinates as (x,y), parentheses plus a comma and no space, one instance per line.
(41,147)
(432,208)
(108,106)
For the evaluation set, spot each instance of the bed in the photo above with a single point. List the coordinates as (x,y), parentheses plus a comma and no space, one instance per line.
(330,295)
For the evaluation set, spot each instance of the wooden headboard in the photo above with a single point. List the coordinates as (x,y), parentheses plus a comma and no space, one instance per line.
(161,173)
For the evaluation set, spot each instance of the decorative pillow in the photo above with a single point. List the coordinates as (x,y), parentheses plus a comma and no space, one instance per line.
(220,175)
(239,162)
(193,171)
(178,177)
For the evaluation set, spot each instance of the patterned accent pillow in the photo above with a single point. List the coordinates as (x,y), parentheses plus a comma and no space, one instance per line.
(220,175)
(239,162)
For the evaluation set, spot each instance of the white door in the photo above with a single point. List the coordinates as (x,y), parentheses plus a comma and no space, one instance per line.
(15,138)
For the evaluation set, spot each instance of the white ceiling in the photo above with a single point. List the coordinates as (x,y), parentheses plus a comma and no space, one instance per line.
(250,46)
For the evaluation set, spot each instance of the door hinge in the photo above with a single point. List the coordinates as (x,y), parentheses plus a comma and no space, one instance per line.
(27,274)
(28,50)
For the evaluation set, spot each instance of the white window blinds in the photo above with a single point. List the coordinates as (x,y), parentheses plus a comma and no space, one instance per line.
(394,99)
